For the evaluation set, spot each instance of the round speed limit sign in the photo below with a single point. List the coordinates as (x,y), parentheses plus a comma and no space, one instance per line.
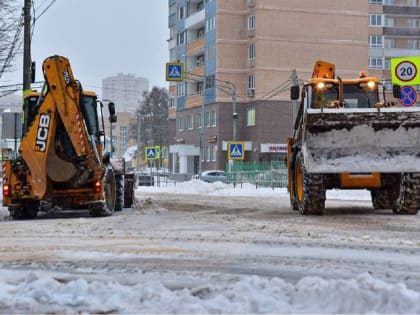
(406,71)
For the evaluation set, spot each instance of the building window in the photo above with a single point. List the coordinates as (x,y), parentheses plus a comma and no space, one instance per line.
(251,22)
(123,139)
(180,124)
(189,122)
(251,52)
(211,153)
(180,89)
(200,33)
(208,122)
(390,43)
(213,118)
(199,89)
(387,64)
(413,44)
(375,19)
(210,24)
(181,38)
(413,23)
(375,1)
(251,85)
(172,102)
(210,81)
(376,63)
(208,155)
(181,12)
(375,41)
(250,117)
(199,60)
(389,21)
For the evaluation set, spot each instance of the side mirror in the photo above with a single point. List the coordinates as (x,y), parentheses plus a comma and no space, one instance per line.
(294,92)
(112,116)
(396,91)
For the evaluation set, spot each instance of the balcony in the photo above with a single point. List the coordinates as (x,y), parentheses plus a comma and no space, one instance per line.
(194,101)
(196,47)
(195,20)
(171,44)
(401,10)
(197,71)
(400,52)
(401,31)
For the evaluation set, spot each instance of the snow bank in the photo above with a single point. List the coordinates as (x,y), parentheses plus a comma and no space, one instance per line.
(34,292)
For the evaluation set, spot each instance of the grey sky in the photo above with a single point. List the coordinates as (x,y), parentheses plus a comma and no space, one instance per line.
(102,38)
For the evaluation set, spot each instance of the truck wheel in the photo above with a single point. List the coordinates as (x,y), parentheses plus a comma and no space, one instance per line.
(119,203)
(310,189)
(384,198)
(110,188)
(408,201)
(129,183)
(28,210)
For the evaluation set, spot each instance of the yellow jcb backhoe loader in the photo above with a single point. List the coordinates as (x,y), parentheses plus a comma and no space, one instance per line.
(60,162)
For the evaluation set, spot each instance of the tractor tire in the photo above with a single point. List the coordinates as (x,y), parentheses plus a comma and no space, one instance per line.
(110,195)
(310,189)
(28,210)
(384,198)
(408,201)
(292,186)
(119,203)
(129,185)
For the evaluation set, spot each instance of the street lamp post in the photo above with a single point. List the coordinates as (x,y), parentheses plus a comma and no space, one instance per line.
(203,112)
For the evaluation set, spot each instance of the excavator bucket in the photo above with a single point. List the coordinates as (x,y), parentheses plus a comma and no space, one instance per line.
(362,140)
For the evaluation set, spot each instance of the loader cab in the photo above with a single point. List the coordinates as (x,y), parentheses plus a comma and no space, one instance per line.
(90,111)
(361,93)
(30,108)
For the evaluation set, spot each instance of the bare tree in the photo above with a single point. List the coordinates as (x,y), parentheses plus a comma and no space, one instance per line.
(11,26)
(152,118)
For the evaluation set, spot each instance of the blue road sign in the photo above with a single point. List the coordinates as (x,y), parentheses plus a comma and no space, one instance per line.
(174,71)
(150,153)
(408,96)
(236,150)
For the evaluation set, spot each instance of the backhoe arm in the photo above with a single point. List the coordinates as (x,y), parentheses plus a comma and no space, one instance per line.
(38,147)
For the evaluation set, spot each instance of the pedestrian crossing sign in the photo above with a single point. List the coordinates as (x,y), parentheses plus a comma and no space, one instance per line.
(236,150)
(152,153)
(174,71)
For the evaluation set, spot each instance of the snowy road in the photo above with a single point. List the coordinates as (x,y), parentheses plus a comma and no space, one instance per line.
(201,244)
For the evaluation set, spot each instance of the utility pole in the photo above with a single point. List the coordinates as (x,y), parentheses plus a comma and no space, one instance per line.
(203,120)
(27,62)
(234,113)
(295,82)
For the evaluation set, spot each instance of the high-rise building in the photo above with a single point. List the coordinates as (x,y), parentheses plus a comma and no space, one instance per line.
(239,56)
(394,31)
(125,90)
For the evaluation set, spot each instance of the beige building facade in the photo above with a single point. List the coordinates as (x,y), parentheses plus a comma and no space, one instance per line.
(239,56)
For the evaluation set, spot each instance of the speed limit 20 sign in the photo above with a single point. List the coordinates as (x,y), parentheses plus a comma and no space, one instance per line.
(404,71)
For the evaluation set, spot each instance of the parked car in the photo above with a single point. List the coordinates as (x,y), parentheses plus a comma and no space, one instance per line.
(214,176)
(145,179)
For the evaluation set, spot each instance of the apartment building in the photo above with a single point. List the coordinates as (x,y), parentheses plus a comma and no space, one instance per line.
(394,31)
(125,90)
(239,56)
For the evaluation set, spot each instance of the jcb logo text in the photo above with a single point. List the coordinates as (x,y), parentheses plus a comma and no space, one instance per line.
(42,132)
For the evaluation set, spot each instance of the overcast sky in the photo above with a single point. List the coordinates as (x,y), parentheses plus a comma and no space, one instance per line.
(101,38)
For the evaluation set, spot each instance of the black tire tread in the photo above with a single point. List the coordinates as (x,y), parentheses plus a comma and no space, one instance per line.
(408,201)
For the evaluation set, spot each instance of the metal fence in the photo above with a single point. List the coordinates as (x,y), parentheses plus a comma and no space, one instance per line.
(261,174)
